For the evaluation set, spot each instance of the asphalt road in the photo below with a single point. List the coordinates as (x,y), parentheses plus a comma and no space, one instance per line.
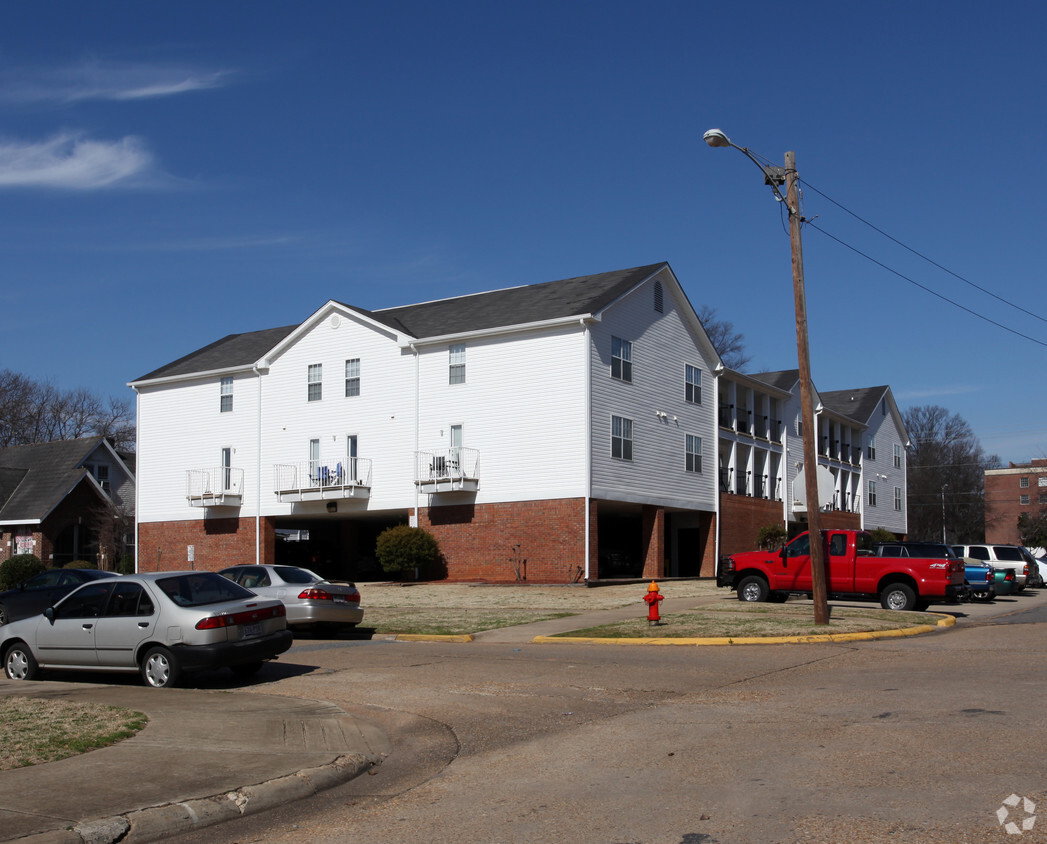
(904,740)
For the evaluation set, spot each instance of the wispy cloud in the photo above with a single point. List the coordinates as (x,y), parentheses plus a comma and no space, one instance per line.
(69,161)
(934,392)
(95,80)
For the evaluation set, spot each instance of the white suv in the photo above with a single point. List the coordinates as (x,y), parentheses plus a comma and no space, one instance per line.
(999,557)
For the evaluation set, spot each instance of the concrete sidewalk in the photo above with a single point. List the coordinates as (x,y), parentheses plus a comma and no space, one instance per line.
(204,757)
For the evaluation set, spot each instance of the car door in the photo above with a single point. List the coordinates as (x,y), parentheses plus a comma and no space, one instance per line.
(38,593)
(67,638)
(841,567)
(127,621)
(795,565)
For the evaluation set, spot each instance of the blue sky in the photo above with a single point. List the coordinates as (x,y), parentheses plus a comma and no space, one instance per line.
(174,172)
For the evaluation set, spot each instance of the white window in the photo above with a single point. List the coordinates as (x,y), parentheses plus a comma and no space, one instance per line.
(352,377)
(621,437)
(621,359)
(898,498)
(1023,483)
(457,364)
(226,393)
(872,493)
(314,459)
(693,387)
(694,453)
(1023,499)
(315,382)
(871,452)
(1041,480)
(897,456)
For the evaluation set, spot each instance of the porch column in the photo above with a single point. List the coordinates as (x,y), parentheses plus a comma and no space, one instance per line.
(653,541)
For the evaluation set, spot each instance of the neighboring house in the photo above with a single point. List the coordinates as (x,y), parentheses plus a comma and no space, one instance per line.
(66,501)
(761,457)
(1020,488)
(555,432)
(884,466)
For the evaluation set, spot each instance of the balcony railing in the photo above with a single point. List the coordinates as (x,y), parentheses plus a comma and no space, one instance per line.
(447,470)
(314,480)
(220,486)
(727,416)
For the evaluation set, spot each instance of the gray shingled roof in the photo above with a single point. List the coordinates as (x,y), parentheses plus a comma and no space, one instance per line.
(35,478)
(859,403)
(587,294)
(784,379)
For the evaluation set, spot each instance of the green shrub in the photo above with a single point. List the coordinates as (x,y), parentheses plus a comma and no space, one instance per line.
(403,548)
(772,537)
(19,569)
(80,564)
(126,565)
(883,535)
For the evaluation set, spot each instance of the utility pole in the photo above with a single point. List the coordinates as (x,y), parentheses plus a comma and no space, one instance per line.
(803,353)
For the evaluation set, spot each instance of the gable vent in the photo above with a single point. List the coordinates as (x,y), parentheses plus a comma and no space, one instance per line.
(659,298)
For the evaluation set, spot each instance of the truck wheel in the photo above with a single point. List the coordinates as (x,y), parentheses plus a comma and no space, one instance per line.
(898,596)
(753,588)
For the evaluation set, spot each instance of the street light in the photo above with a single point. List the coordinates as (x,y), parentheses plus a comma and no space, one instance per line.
(774,177)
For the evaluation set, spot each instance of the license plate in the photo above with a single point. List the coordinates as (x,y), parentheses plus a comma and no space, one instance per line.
(339,599)
(252,630)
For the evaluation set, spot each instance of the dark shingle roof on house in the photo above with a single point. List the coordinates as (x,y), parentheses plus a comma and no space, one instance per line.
(35,478)
(784,379)
(859,403)
(586,294)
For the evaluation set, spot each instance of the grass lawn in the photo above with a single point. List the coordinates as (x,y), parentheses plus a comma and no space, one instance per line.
(449,621)
(34,730)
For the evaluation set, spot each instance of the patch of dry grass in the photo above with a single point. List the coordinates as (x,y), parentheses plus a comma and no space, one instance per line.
(447,621)
(35,730)
(740,620)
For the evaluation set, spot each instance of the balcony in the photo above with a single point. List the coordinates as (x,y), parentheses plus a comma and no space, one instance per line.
(315,481)
(447,470)
(220,486)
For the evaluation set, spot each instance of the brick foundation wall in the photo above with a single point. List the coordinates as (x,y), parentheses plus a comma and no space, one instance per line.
(477,541)
(217,544)
(741,518)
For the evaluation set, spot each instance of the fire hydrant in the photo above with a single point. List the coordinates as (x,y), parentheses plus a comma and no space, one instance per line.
(652,598)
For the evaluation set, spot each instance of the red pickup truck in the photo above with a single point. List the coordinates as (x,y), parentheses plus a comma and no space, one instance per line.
(852,571)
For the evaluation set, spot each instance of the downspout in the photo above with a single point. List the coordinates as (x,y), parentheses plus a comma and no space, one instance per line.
(416,522)
(258,475)
(138,417)
(588,444)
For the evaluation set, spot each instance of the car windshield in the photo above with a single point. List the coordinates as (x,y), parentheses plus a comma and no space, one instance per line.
(293,574)
(201,588)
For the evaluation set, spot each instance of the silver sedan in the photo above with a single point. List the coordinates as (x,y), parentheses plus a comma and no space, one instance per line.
(160,625)
(310,600)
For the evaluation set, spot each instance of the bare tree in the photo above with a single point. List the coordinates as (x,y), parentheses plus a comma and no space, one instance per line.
(729,344)
(946,476)
(35,412)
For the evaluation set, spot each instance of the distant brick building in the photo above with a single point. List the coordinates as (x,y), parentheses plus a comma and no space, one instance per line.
(1020,488)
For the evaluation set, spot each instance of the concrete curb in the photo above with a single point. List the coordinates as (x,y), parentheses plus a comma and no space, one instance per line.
(154,823)
(943,621)
(425,637)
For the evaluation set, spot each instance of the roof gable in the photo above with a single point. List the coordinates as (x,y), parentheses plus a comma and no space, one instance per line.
(35,478)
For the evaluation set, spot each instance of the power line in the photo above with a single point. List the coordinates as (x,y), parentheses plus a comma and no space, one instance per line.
(924,287)
(924,257)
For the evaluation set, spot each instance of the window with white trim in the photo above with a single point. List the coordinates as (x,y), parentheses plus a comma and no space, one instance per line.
(693,386)
(226,392)
(1023,499)
(456,362)
(871,498)
(621,437)
(1023,483)
(897,456)
(621,359)
(352,377)
(898,498)
(315,382)
(871,451)
(693,446)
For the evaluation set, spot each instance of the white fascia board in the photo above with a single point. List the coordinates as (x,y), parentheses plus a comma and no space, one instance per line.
(195,376)
(331,308)
(499,330)
(15,522)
